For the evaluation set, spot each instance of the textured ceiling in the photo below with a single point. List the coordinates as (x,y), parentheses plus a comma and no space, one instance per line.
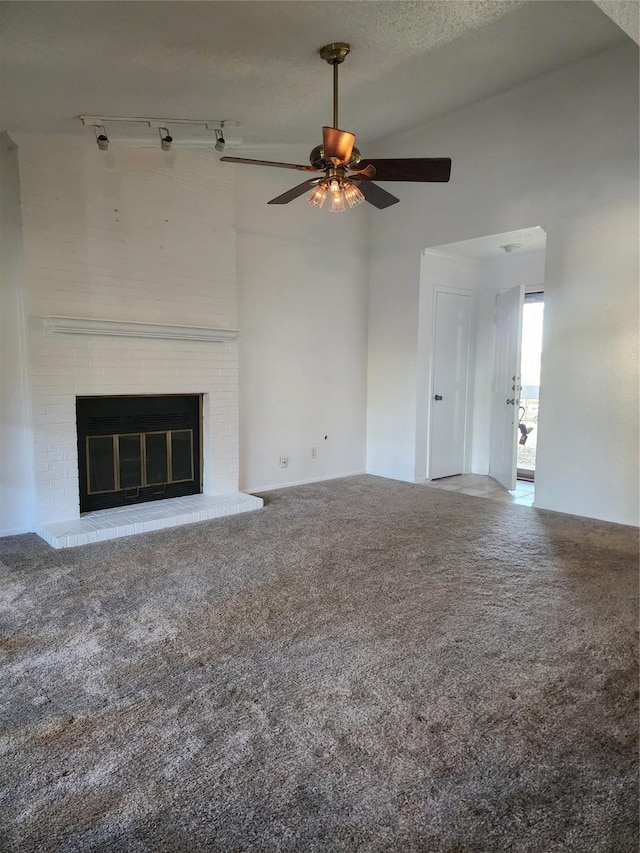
(626,14)
(257,62)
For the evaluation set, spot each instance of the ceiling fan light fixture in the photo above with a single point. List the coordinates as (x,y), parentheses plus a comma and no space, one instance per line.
(339,191)
(336,196)
(319,194)
(353,194)
(347,177)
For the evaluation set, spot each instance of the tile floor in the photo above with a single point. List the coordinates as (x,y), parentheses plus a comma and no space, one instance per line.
(480,486)
(145,517)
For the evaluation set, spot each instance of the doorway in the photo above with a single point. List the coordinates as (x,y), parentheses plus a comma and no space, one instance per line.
(487,430)
(531,352)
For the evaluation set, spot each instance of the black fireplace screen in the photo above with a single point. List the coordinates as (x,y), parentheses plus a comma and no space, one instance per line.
(135,449)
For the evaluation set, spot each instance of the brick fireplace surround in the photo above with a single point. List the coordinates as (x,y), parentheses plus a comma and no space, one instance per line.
(130,277)
(123,358)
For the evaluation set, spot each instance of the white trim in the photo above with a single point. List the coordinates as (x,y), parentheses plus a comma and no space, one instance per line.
(470,260)
(253,489)
(127,329)
(16,531)
(450,256)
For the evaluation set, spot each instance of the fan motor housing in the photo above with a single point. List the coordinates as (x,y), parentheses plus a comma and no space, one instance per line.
(316,158)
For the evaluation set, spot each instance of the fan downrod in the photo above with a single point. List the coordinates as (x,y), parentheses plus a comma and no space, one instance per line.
(335,53)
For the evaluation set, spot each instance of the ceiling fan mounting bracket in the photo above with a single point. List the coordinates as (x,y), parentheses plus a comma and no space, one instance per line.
(335,53)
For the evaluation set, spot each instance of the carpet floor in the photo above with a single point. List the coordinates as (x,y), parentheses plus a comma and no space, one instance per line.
(361,665)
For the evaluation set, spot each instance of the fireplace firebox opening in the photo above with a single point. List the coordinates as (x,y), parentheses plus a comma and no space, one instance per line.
(137,449)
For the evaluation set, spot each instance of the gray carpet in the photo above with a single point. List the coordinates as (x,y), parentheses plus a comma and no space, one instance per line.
(361,665)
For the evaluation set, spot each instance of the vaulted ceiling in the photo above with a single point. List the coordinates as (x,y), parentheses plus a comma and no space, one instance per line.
(257,63)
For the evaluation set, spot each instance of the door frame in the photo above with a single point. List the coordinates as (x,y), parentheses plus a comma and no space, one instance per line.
(468,422)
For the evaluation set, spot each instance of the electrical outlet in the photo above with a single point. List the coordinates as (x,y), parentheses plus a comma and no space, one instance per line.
(314,452)
(284,461)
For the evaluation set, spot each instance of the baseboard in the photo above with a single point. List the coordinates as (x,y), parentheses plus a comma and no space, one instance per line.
(253,489)
(15,531)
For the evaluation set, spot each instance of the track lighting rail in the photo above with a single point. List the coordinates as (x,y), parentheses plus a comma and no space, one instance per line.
(208,124)
(161,125)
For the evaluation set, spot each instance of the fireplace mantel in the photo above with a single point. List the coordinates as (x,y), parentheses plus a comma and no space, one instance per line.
(127,329)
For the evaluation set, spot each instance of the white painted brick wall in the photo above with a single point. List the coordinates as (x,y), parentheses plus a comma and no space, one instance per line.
(140,235)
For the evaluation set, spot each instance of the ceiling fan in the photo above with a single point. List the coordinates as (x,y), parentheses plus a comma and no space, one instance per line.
(345,175)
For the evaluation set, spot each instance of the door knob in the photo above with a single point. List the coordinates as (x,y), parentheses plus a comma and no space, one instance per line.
(438,397)
(510,402)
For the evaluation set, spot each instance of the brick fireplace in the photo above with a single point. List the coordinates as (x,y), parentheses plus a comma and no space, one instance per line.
(130,284)
(77,359)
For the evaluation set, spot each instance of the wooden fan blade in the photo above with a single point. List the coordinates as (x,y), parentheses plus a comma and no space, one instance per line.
(294,192)
(376,196)
(409,169)
(297,166)
(338,145)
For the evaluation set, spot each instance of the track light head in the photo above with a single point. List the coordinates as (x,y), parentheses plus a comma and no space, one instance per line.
(166,140)
(220,140)
(101,137)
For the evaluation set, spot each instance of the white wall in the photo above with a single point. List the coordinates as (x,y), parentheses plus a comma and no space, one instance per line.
(16,455)
(561,153)
(302,279)
(136,235)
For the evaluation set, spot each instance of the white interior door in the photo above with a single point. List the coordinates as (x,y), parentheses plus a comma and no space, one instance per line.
(450,384)
(506,387)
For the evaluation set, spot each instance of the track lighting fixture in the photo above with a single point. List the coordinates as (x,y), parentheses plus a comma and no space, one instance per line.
(166,140)
(161,125)
(220,140)
(101,137)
